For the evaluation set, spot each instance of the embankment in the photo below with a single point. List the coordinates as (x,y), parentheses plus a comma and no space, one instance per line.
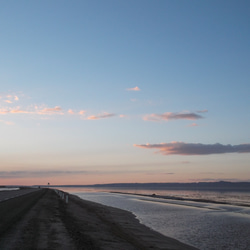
(44,221)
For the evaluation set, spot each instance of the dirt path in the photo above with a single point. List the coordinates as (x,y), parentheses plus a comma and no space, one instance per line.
(40,228)
(44,221)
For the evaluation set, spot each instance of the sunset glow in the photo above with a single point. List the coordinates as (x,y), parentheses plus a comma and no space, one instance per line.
(124,91)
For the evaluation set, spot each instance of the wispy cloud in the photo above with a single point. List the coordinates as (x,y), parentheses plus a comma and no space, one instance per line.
(36,110)
(202,111)
(20,111)
(8,101)
(38,174)
(70,173)
(7,122)
(16,110)
(4,111)
(181,148)
(48,111)
(168,116)
(44,111)
(71,112)
(193,125)
(133,99)
(134,89)
(219,179)
(82,112)
(100,116)
(9,98)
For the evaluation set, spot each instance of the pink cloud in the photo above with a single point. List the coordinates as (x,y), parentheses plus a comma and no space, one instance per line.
(55,109)
(134,89)
(82,112)
(14,111)
(172,116)
(19,111)
(8,101)
(71,112)
(10,98)
(100,116)
(7,122)
(193,125)
(47,111)
(37,111)
(181,148)
(4,111)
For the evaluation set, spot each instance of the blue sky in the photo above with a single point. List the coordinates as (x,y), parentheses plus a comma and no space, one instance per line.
(124,91)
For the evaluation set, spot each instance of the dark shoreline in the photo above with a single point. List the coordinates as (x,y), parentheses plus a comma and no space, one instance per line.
(221,186)
(174,198)
(51,223)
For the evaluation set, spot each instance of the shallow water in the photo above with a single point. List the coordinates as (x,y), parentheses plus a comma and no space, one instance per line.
(8,189)
(203,225)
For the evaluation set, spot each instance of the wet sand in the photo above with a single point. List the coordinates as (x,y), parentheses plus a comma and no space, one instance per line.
(48,222)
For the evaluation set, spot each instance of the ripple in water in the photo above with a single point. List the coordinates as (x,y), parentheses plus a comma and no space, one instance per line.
(203,225)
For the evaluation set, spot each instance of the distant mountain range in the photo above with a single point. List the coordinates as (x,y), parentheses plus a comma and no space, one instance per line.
(221,185)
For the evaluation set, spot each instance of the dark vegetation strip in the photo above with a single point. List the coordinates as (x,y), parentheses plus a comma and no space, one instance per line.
(12,210)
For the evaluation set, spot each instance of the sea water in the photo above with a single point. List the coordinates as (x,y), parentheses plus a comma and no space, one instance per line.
(205,225)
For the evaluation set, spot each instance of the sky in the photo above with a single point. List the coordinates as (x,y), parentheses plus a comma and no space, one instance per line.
(110,91)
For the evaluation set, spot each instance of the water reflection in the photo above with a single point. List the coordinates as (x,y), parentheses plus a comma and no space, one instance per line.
(206,226)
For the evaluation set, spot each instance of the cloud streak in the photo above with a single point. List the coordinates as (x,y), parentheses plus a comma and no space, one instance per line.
(181,148)
(14,111)
(202,111)
(36,111)
(49,111)
(44,111)
(168,116)
(38,174)
(134,89)
(7,122)
(193,125)
(57,110)
(100,116)
(82,112)
(8,101)
(10,98)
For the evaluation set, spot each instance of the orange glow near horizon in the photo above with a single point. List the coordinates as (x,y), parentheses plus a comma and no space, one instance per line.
(109,178)
(114,103)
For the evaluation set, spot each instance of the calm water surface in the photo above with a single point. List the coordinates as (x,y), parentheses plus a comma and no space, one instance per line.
(201,224)
(8,189)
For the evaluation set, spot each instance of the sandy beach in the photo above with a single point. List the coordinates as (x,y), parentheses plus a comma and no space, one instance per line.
(42,220)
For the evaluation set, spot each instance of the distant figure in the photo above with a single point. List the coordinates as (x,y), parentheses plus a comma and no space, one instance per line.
(48,184)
